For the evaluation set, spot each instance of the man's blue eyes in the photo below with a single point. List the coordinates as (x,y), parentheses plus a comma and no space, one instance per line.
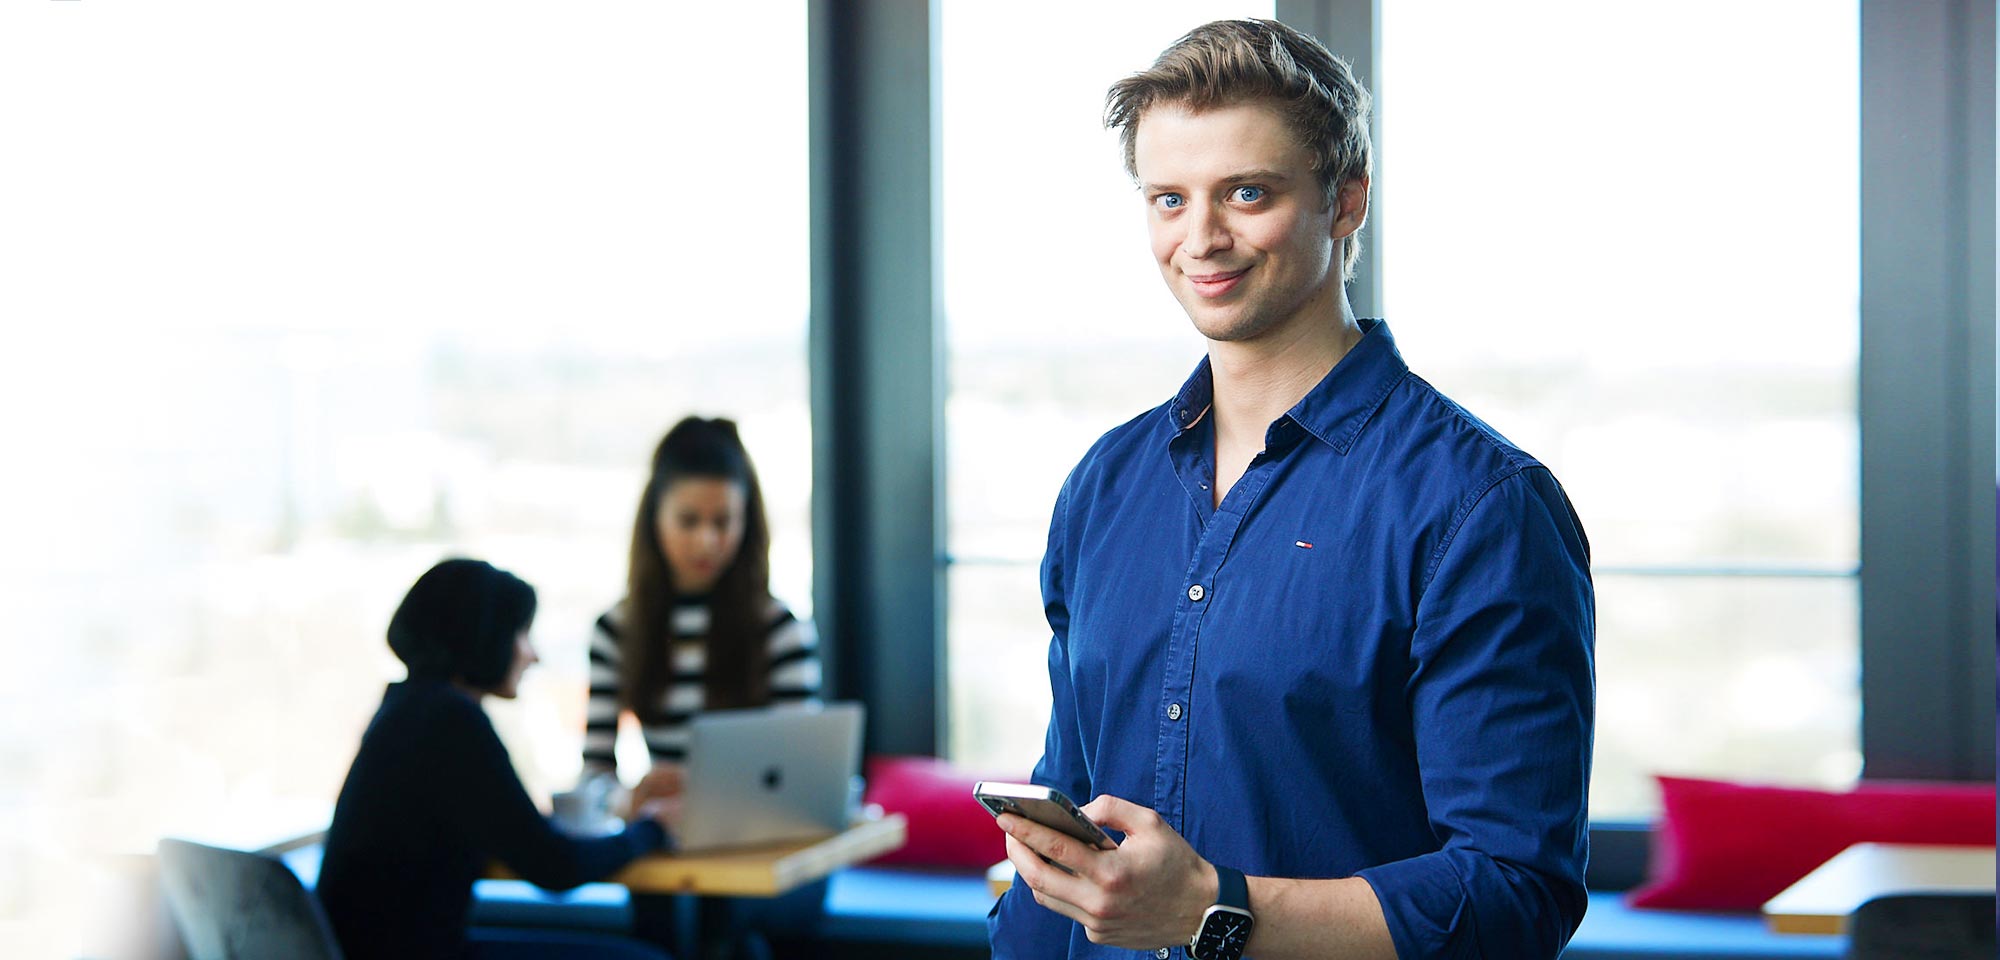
(1246,194)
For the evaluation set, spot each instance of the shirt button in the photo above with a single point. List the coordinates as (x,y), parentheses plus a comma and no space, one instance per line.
(1195,593)
(1163,953)
(1173,711)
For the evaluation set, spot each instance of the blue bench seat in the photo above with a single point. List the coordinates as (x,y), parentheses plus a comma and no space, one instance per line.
(601,907)
(883,905)
(1613,931)
(887,905)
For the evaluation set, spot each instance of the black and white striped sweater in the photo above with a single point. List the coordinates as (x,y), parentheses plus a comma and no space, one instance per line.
(794,677)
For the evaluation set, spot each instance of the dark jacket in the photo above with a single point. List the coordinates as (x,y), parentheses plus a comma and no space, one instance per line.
(431,799)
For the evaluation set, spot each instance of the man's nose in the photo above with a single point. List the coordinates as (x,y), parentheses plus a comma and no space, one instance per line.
(1207,232)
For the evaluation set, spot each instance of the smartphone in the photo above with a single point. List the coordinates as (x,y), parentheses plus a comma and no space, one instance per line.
(1044,805)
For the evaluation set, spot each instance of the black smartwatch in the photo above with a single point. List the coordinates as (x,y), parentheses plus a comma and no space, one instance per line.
(1225,927)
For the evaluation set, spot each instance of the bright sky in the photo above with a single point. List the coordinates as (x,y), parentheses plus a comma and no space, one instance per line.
(529,173)
(1622,185)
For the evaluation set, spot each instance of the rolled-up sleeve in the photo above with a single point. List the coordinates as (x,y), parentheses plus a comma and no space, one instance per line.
(1501,695)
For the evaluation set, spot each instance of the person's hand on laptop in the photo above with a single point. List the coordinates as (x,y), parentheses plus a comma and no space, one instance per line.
(666,781)
(666,811)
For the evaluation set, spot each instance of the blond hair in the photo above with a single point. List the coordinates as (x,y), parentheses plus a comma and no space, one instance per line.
(1229,62)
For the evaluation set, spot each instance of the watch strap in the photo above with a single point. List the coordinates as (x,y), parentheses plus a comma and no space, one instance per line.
(1225,927)
(1231,889)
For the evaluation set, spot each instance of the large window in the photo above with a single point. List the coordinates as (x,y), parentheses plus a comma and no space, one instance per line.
(300,302)
(1626,235)
(1058,325)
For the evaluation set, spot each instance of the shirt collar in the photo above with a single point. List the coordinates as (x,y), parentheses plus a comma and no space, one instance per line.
(1335,410)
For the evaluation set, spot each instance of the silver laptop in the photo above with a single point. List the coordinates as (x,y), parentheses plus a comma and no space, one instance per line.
(769,775)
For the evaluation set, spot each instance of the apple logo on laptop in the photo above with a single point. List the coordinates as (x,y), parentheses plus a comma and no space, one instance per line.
(773,779)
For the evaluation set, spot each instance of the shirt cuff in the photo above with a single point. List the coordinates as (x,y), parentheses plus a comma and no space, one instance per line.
(1423,901)
(647,836)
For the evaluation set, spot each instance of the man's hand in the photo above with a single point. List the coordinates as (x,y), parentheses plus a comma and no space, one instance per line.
(1147,893)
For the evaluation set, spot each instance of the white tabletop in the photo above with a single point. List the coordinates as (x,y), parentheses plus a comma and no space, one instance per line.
(1821,901)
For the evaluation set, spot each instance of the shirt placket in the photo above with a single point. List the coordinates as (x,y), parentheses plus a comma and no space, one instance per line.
(1177,704)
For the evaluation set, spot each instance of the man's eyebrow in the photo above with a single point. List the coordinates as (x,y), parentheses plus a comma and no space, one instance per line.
(1256,176)
(1247,176)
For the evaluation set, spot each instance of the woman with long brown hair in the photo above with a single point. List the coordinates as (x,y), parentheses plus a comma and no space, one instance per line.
(698,628)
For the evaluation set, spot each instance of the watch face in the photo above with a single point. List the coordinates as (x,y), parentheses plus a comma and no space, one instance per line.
(1223,934)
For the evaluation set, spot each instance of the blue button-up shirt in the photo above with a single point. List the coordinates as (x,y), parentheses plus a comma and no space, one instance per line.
(1372,659)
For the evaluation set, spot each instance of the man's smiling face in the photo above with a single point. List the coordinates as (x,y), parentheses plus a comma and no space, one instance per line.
(1239,225)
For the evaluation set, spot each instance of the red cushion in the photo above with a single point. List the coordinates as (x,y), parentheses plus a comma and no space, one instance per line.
(947,828)
(1732,846)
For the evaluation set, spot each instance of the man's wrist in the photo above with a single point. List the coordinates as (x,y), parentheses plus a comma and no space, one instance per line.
(1225,926)
(1207,888)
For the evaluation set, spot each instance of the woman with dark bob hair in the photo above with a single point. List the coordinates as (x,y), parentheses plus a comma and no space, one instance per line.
(432,797)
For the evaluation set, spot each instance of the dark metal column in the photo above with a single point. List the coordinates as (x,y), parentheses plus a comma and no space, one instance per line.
(876,393)
(1927,405)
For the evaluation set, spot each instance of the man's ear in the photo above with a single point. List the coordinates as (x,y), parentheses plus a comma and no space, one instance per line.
(1350,202)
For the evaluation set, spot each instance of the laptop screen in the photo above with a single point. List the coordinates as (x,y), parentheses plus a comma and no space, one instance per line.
(770,775)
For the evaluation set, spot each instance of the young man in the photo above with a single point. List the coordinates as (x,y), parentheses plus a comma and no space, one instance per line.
(1314,623)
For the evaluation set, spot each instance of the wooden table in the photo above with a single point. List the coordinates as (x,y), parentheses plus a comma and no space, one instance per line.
(754,871)
(763,871)
(1000,876)
(1821,901)
(698,926)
